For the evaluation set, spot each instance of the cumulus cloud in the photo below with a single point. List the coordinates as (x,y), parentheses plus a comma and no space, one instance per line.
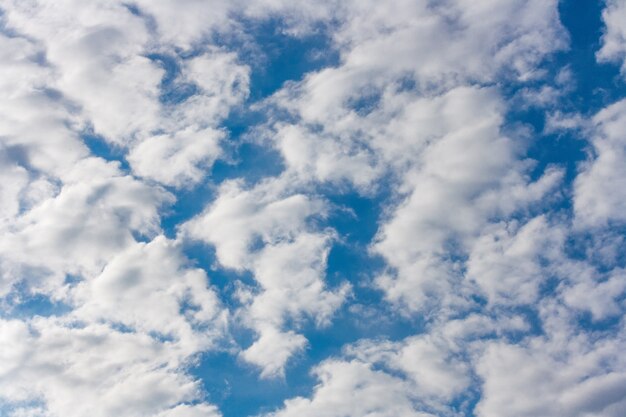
(353,389)
(112,372)
(614,37)
(149,288)
(508,262)
(267,230)
(563,373)
(468,173)
(420,375)
(599,199)
(107,209)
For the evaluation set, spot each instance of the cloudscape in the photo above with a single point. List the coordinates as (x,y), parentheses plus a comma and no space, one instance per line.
(331,208)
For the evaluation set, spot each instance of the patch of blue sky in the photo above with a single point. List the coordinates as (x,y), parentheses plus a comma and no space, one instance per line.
(189,202)
(276,57)
(224,280)
(610,324)
(101,148)
(583,245)
(366,102)
(37,407)
(21,303)
(236,389)
(247,161)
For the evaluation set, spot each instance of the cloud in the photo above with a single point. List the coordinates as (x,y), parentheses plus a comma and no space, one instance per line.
(36,124)
(508,263)
(269,231)
(420,375)
(150,288)
(112,372)
(563,373)
(103,66)
(599,199)
(98,60)
(428,362)
(393,60)
(353,389)
(107,209)
(238,216)
(466,174)
(614,37)
(191,142)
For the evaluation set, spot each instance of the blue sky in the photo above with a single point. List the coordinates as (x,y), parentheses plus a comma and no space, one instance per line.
(280,209)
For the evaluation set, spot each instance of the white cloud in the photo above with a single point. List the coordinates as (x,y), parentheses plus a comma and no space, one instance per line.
(429,362)
(148,287)
(239,216)
(507,261)
(395,59)
(291,279)
(353,389)
(466,174)
(402,107)
(13,179)
(594,292)
(196,410)
(600,189)
(267,230)
(421,375)
(35,124)
(98,62)
(107,207)
(614,37)
(111,372)
(177,159)
(125,347)
(273,349)
(567,372)
(192,140)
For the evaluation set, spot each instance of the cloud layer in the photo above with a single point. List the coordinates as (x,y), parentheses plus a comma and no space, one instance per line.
(421,214)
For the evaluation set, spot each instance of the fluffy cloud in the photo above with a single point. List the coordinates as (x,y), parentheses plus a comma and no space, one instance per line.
(567,372)
(508,262)
(35,122)
(98,60)
(112,372)
(599,198)
(404,107)
(191,140)
(614,38)
(102,65)
(466,174)
(267,230)
(149,288)
(353,389)
(107,209)
(394,59)
(418,376)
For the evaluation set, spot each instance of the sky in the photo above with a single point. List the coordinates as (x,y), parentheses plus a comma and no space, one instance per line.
(274,208)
